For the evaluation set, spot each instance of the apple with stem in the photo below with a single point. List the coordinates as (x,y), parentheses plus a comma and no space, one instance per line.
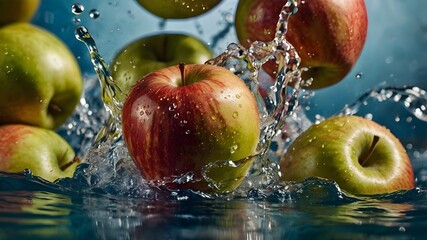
(329,35)
(17,10)
(154,52)
(362,156)
(41,150)
(192,126)
(40,78)
(178,9)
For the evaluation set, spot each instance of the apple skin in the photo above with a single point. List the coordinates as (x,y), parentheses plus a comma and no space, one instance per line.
(174,127)
(337,149)
(17,10)
(41,150)
(178,9)
(329,35)
(155,52)
(40,78)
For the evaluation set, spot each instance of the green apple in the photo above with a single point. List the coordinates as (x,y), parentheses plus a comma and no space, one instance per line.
(41,150)
(178,9)
(192,126)
(40,79)
(17,10)
(362,156)
(155,52)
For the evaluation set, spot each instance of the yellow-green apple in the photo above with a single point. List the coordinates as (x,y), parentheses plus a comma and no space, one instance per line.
(40,78)
(41,150)
(362,156)
(17,10)
(192,121)
(155,52)
(178,9)
(328,35)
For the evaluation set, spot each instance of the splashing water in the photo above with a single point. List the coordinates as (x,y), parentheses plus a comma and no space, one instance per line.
(108,87)
(277,102)
(275,105)
(414,100)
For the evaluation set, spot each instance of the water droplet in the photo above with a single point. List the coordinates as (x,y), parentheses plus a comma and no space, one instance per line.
(94,14)
(76,20)
(182,123)
(234,148)
(359,75)
(172,107)
(77,8)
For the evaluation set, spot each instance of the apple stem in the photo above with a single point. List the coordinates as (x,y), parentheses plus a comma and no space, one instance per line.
(365,157)
(68,164)
(182,69)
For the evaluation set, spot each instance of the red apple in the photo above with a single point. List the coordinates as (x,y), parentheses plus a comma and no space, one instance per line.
(198,121)
(362,156)
(154,52)
(328,35)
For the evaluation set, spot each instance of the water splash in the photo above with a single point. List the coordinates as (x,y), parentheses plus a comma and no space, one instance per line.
(413,99)
(276,102)
(109,88)
(279,100)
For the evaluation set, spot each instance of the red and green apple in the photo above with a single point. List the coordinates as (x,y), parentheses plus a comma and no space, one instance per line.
(40,79)
(192,121)
(362,156)
(41,150)
(154,52)
(178,9)
(329,35)
(17,10)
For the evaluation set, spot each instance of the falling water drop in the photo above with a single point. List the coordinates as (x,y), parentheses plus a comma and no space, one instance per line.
(77,8)
(94,14)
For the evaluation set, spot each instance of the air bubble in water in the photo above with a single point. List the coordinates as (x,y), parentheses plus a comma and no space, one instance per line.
(77,8)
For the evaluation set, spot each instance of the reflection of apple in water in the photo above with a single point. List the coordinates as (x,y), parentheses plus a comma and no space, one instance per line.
(155,52)
(329,35)
(17,10)
(178,9)
(41,150)
(362,156)
(50,212)
(199,119)
(40,79)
